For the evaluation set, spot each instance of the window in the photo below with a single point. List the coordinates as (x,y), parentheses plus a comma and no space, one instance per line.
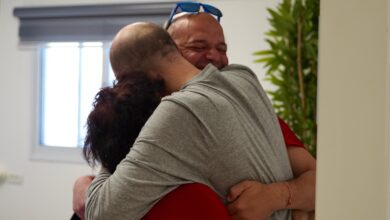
(71,75)
(73,44)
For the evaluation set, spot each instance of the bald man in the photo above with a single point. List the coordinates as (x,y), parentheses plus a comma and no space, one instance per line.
(216,128)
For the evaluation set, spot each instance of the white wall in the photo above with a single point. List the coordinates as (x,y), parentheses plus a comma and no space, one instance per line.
(353,111)
(245,23)
(47,187)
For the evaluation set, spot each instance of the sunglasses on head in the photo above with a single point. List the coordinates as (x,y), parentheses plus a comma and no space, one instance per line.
(193,7)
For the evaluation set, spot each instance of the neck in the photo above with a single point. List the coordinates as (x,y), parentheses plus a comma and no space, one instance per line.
(177,74)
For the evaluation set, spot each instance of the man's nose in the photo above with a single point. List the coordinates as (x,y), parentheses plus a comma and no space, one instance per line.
(213,55)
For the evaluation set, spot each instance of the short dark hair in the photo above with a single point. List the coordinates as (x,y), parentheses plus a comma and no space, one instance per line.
(118,114)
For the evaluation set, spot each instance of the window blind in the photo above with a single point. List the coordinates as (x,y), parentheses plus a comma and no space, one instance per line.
(85,22)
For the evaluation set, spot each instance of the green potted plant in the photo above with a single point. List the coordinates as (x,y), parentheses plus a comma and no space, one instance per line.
(291,65)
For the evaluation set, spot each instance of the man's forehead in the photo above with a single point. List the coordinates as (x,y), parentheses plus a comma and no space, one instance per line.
(205,37)
(197,32)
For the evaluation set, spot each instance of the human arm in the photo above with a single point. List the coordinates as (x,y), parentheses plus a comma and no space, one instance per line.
(303,185)
(254,200)
(291,141)
(79,194)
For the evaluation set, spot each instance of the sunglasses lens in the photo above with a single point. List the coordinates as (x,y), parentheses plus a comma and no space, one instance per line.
(213,10)
(189,7)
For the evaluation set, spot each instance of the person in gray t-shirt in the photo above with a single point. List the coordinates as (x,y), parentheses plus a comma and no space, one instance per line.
(214,127)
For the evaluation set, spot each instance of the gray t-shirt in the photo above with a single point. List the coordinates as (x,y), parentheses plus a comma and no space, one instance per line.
(219,129)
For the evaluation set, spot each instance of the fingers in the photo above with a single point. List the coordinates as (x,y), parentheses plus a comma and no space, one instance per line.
(235,209)
(249,201)
(238,189)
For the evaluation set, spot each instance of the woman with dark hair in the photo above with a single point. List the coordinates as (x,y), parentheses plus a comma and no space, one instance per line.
(118,116)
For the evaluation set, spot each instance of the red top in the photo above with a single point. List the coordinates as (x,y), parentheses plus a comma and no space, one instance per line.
(289,137)
(193,201)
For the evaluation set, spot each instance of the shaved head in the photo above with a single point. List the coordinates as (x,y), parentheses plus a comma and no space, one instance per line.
(137,46)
